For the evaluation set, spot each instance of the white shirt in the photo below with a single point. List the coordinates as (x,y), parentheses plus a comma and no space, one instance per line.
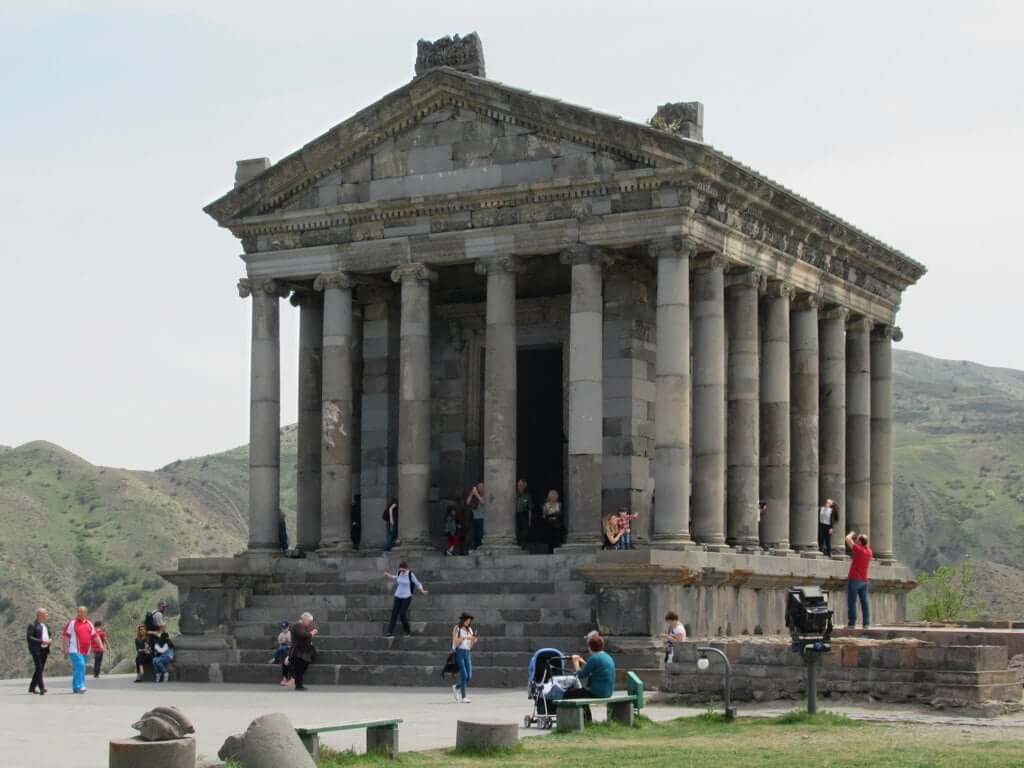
(404,584)
(158,619)
(678,632)
(46,634)
(825,515)
(465,636)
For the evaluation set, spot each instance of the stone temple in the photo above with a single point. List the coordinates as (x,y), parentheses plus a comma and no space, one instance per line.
(493,284)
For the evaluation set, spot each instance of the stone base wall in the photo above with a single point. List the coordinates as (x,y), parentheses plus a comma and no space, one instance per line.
(896,671)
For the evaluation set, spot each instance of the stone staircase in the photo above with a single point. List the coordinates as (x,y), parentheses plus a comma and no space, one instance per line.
(520,603)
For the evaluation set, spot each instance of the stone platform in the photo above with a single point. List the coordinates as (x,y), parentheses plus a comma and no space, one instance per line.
(231,608)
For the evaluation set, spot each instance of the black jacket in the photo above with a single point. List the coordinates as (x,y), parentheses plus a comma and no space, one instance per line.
(34,636)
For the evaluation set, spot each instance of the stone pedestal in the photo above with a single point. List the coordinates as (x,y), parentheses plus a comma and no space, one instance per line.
(832,416)
(264,412)
(136,753)
(803,485)
(774,417)
(308,439)
(570,720)
(881,440)
(414,406)
(486,735)
(709,401)
(672,457)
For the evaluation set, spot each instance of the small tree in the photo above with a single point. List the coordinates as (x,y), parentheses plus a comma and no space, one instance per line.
(942,595)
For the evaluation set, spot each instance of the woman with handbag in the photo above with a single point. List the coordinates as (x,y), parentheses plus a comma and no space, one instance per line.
(302,651)
(464,637)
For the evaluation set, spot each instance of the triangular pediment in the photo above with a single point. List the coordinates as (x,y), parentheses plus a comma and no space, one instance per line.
(447,133)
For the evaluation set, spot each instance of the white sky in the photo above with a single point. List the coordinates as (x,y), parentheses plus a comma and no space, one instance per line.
(121,335)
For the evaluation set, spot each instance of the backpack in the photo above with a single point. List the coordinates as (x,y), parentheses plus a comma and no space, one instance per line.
(149,622)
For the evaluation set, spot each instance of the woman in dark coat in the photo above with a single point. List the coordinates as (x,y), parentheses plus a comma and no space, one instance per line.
(302,651)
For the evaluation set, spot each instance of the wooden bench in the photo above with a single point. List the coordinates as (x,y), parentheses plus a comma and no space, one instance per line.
(381,736)
(622,707)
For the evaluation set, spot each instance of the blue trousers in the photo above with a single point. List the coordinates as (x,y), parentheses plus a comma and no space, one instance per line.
(465,665)
(79,661)
(857,590)
(478,531)
(392,538)
(160,662)
(625,542)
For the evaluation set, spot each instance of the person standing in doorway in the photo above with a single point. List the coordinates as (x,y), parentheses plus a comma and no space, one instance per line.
(391,520)
(79,635)
(826,521)
(552,514)
(524,512)
(451,532)
(478,509)
(99,647)
(39,648)
(464,637)
(857,583)
(405,584)
(302,650)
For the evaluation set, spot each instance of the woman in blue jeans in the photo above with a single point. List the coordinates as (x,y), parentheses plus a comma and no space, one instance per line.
(463,640)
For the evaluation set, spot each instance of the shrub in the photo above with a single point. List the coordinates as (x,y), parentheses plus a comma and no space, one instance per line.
(942,595)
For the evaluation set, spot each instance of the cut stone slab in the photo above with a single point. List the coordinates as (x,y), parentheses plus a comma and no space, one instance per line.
(134,752)
(163,724)
(486,735)
(269,742)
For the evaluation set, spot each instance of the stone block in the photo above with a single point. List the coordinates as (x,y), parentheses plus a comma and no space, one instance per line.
(470,735)
(270,741)
(429,159)
(570,720)
(622,712)
(137,753)
(382,739)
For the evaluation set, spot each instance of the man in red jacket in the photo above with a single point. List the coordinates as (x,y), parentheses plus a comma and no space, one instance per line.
(79,636)
(857,583)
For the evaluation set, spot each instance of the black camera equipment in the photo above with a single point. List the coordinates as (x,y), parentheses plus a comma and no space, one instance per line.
(810,628)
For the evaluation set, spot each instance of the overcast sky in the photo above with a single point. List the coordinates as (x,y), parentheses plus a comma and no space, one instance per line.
(123,338)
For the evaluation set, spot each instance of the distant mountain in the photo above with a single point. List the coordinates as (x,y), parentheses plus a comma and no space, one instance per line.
(72,532)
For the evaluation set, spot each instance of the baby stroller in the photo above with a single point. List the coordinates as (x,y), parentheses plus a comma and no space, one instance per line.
(548,682)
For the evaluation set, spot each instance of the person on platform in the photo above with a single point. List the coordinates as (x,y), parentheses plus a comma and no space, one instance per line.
(612,533)
(451,532)
(625,522)
(478,510)
(597,675)
(38,637)
(391,521)
(302,652)
(282,648)
(857,580)
(143,652)
(524,512)
(282,532)
(99,647)
(464,637)
(163,654)
(674,633)
(405,584)
(551,513)
(79,635)
(156,622)
(826,522)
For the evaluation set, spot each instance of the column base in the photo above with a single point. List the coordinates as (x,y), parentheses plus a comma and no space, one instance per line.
(886,557)
(810,554)
(328,548)
(723,547)
(672,541)
(780,550)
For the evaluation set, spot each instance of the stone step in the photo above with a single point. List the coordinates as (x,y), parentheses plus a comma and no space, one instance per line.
(361,562)
(513,573)
(455,587)
(285,607)
(568,645)
(435,628)
(402,657)
(349,674)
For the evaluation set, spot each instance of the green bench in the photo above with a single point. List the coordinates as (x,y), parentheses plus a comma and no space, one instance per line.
(381,736)
(622,707)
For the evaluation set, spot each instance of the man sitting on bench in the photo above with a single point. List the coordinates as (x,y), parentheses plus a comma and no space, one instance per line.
(597,675)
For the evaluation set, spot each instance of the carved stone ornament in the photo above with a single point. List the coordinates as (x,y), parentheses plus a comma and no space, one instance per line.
(806,301)
(416,272)
(585,254)
(835,313)
(163,724)
(247,287)
(779,289)
(299,298)
(751,278)
(887,333)
(465,54)
(673,246)
(706,262)
(859,324)
(498,263)
(682,118)
(333,280)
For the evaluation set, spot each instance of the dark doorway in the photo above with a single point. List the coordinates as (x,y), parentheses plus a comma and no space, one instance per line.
(539,433)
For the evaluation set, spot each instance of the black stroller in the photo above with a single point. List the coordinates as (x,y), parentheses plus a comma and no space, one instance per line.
(548,682)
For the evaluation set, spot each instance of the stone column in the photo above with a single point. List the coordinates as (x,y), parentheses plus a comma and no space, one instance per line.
(414,406)
(672,457)
(881,440)
(832,415)
(264,412)
(500,401)
(586,395)
(803,477)
(307,459)
(357,409)
(742,385)
(774,422)
(378,477)
(709,400)
(336,445)
(858,426)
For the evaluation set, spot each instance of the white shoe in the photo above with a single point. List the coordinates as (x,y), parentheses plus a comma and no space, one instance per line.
(455,693)
(466,700)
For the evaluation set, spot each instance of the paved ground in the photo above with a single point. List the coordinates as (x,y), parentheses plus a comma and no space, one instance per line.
(60,729)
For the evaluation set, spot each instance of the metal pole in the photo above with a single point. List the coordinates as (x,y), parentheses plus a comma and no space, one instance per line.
(729,711)
(812,682)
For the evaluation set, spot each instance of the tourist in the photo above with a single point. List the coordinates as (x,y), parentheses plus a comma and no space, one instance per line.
(826,521)
(284,642)
(762,510)
(163,654)
(552,515)
(282,532)
(79,635)
(99,647)
(143,652)
(478,508)
(38,637)
(356,525)
(391,521)
(597,675)
(857,583)
(674,633)
(302,650)
(464,637)
(524,512)
(405,584)
(156,622)
(612,532)
(451,530)
(625,520)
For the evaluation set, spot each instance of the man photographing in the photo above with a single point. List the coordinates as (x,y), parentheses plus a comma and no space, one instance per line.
(857,584)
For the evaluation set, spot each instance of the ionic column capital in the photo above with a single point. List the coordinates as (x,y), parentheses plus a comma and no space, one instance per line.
(859,324)
(267,286)
(672,246)
(835,313)
(708,262)
(488,264)
(803,302)
(585,254)
(887,333)
(418,273)
(327,280)
(301,298)
(778,289)
(748,277)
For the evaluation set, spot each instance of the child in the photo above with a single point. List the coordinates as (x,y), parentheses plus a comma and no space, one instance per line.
(99,647)
(284,645)
(624,520)
(451,529)
(674,633)
(163,654)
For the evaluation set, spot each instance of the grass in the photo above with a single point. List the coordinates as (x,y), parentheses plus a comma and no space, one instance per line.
(794,740)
